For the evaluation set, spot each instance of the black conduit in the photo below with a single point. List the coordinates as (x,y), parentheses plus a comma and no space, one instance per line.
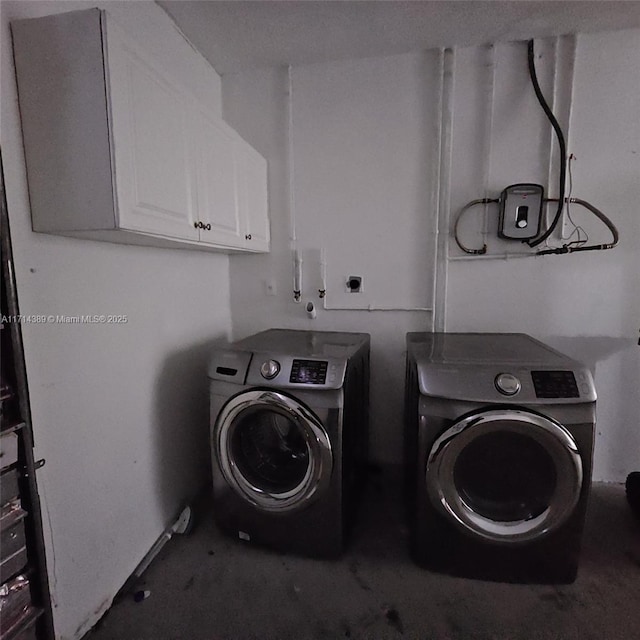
(561,144)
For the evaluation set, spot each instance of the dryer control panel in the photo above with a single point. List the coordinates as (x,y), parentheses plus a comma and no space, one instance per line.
(492,367)
(555,384)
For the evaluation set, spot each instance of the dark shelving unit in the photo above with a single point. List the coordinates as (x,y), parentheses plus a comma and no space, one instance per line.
(25,609)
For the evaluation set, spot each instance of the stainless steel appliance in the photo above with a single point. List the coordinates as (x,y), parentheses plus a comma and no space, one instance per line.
(289,432)
(499,432)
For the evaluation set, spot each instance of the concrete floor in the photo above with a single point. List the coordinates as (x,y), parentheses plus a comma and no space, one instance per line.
(206,586)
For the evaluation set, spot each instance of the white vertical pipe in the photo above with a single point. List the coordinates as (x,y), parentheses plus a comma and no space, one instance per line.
(323,276)
(560,103)
(441,253)
(553,165)
(569,51)
(292,198)
(293,240)
(297,276)
(435,190)
(487,144)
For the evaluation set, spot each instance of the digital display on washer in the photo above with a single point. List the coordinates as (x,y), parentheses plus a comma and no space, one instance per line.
(309,371)
(555,384)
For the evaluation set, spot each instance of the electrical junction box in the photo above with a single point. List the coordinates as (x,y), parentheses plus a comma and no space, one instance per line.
(354,284)
(520,211)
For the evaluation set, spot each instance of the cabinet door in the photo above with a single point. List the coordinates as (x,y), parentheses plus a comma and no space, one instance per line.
(253,196)
(154,165)
(217,181)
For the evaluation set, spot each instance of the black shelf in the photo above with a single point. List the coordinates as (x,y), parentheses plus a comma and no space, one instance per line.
(26,613)
(27,620)
(11,427)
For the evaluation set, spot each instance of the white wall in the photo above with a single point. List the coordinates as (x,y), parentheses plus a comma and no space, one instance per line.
(364,141)
(120,412)
(585,304)
(364,147)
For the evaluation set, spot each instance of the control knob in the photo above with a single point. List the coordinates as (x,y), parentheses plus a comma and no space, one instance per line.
(507,384)
(270,369)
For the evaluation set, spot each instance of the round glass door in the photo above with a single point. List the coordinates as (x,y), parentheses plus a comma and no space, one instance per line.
(272,450)
(505,475)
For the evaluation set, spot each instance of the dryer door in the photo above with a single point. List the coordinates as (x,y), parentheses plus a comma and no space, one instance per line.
(272,450)
(507,475)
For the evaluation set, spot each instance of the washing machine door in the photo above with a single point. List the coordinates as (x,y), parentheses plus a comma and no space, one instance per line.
(506,475)
(272,450)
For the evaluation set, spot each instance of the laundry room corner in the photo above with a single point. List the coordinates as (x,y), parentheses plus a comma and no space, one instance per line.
(376,222)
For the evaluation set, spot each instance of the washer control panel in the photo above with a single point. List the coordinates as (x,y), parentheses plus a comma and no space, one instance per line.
(507,384)
(308,371)
(288,372)
(555,384)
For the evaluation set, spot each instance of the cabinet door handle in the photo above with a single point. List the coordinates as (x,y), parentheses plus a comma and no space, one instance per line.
(195,224)
(248,236)
(208,226)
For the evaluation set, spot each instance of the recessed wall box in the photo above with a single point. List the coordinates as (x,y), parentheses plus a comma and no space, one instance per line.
(520,211)
(354,284)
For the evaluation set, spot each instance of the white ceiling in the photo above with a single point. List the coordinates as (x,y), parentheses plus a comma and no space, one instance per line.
(241,34)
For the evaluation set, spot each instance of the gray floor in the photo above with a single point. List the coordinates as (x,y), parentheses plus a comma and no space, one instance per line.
(205,586)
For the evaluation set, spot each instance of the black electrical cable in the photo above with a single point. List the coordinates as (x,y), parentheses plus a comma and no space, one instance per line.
(561,144)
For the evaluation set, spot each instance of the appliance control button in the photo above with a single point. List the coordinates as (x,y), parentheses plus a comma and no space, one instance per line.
(269,369)
(507,384)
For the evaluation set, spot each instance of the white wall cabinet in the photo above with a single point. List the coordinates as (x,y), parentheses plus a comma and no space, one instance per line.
(218,183)
(252,196)
(117,150)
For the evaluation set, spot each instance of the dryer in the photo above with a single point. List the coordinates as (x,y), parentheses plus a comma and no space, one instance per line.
(289,437)
(499,434)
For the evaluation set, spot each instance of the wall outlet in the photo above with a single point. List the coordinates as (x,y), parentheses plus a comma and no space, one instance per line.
(354,284)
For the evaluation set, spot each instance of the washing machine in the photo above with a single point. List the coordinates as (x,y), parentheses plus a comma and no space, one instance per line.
(289,437)
(499,434)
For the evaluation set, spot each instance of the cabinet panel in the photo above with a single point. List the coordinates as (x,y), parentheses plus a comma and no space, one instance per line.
(253,196)
(217,183)
(61,87)
(154,167)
